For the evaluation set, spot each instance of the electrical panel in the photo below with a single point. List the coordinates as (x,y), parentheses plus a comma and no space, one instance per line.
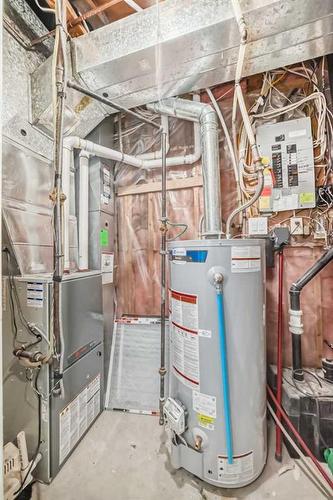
(290,182)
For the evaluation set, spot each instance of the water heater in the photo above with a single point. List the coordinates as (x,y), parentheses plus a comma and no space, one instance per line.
(217,405)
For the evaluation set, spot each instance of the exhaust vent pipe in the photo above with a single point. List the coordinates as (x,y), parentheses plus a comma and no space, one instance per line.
(205,115)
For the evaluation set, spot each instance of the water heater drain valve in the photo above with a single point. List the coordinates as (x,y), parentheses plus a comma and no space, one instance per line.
(175,415)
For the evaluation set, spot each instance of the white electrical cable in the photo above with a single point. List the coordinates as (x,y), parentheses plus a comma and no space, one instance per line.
(44,9)
(307,464)
(226,133)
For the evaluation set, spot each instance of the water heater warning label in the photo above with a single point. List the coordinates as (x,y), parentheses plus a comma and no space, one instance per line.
(240,470)
(245,259)
(185,338)
(76,417)
(184,310)
(185,355)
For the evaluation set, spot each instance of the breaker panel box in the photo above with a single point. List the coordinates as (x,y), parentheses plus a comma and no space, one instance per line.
(290,183)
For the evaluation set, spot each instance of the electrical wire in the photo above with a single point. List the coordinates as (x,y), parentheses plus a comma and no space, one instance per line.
(177,224)
(39,436)
(15,304)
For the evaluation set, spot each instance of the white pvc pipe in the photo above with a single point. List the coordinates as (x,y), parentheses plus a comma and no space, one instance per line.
(83,211)
(67,156)
(89,148)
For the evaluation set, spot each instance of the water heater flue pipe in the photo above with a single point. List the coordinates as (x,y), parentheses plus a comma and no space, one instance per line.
(205,115)
(295,312)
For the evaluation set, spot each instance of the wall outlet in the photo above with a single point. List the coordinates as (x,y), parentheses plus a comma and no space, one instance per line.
(296,226)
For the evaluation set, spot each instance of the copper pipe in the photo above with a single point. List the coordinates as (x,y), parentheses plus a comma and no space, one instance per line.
(78,20)
(92,12)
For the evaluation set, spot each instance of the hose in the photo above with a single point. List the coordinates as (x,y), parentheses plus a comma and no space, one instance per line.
(225,377)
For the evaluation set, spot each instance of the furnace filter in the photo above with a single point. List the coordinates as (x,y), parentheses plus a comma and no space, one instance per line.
(196,388)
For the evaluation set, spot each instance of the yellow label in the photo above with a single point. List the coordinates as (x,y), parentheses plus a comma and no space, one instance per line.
(264,202)
(205,419)
(306,198)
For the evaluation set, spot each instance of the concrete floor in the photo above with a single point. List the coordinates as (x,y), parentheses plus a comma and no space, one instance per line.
(126,457)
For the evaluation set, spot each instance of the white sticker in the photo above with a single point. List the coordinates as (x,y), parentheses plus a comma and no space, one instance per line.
(185,356)
(204,404)
(245,259)
(258,225)
(180,252)
(184,309)
(297,133)
(76,417)
(205,333)
(240,470)
(35,295)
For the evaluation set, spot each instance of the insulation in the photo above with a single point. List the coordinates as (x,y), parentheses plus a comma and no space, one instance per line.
(138,289)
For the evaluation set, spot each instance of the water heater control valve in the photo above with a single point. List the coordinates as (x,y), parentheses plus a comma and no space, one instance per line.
(174,415)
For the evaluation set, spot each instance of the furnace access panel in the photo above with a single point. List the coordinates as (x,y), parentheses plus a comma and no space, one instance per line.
(290,184)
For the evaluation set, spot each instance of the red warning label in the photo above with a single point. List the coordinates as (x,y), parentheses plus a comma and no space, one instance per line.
(185,338)
(184,309)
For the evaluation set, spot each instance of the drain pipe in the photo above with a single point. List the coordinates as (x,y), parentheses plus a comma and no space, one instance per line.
(83,210)
(295,312)
(205,115)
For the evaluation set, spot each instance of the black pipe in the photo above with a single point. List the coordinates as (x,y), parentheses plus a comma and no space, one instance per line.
(112,104)
(295,305)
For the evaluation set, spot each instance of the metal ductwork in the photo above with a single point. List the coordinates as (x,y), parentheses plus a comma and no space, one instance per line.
(205,115)
(152,55)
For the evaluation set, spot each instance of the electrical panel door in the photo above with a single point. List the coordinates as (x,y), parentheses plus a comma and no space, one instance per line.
(290,182)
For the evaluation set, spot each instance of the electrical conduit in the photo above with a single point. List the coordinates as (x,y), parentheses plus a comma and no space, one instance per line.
(218,282)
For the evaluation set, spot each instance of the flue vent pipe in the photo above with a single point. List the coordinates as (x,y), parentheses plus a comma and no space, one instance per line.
(205,115)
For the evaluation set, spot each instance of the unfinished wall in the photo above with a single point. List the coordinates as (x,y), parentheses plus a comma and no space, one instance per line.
(138,206)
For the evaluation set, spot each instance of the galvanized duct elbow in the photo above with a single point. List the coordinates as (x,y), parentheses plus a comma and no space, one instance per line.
(207,118)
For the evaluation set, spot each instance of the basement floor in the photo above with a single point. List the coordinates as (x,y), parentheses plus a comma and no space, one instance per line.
(125,457)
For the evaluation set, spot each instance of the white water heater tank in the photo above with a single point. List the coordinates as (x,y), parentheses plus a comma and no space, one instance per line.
(224,441)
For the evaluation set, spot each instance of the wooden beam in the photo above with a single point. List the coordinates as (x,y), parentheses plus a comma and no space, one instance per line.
(154,187)
(71,15)
(93,12)
(102,16)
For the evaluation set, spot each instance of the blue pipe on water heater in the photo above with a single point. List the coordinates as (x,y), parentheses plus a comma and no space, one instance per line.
(225,377)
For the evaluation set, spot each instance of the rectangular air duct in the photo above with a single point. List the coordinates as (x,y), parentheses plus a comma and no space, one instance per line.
(181,46)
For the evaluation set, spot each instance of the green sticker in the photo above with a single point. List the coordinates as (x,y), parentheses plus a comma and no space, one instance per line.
(306,198)
(104,237)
